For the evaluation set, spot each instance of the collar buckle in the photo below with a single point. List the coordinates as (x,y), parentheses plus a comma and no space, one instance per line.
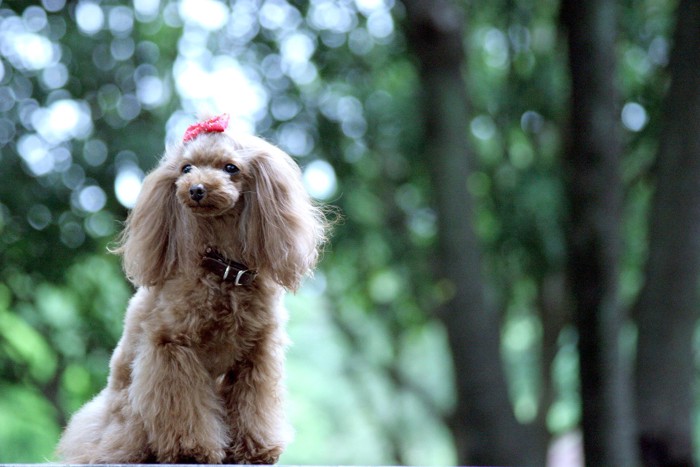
(238,277)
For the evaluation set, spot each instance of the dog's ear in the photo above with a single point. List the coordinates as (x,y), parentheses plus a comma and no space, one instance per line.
(150,239)
(281,227)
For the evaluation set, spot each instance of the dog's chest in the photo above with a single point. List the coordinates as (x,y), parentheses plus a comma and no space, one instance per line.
(221,323)
(228,324)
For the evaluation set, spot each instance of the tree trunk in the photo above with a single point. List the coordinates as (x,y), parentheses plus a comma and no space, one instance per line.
(484,426)
(594,189)
(667,307)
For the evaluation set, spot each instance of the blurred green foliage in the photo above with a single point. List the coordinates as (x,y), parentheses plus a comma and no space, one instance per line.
(370,377)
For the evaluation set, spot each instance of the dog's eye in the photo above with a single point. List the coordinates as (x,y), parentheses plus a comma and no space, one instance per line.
(232,169)
(186,168)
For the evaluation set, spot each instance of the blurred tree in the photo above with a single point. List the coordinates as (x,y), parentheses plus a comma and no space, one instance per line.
(485,429)
(594,186)
(667,308)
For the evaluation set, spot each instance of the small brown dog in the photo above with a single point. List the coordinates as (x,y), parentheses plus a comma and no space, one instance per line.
(198,373)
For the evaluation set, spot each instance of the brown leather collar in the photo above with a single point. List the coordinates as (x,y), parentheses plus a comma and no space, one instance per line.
(227,270)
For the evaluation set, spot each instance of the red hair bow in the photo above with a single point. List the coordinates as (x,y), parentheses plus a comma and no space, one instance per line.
(213,125)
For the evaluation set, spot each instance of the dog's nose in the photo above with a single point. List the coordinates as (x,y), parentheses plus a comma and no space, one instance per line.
(198,192)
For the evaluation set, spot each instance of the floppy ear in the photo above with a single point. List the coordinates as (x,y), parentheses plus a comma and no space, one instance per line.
(151,238)
(281,227)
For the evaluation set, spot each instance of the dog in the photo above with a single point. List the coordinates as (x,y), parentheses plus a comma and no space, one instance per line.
(221,227)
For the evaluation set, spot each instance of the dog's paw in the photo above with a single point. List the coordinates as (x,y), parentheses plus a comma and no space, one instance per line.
(250,451)
(189,449)
(193,456)
(204,442)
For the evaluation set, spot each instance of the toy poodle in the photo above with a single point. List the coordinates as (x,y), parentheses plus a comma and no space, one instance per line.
(220,228)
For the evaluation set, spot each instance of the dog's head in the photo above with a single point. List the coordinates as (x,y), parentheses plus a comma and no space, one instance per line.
(209,181)
(216,181)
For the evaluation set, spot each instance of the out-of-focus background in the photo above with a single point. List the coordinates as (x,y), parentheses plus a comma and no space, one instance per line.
(515,278)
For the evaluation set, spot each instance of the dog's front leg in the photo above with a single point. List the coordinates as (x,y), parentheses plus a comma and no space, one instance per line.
(176,398)
(253,393)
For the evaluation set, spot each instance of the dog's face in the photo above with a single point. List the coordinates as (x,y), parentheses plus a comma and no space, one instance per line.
(211,176)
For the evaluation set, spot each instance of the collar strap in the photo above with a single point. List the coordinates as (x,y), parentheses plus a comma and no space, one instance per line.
(227,270)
